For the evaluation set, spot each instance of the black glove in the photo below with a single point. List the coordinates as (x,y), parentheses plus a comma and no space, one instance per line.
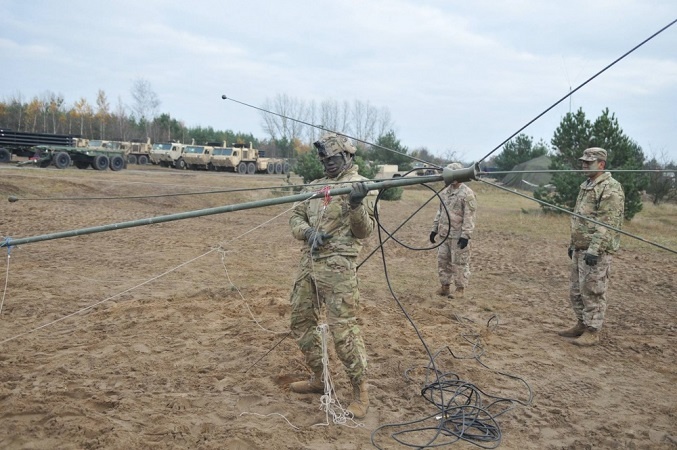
(463,243)
(590,260)
(316,238)
(357,194)
(570,252)
(432,236)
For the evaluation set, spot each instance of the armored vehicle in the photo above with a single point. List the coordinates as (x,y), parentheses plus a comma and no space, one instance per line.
(196,157)
(166,154)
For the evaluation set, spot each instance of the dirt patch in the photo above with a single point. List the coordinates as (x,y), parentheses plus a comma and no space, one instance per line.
(174,335)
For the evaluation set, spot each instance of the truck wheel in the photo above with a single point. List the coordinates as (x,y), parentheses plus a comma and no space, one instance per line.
(131,159)
(251,168)
(143,160)
(62,160)
(100,162)
(242,168)
(271,168)
(5,155)
(180,164)
(278,168)
(117,162)
(211,167)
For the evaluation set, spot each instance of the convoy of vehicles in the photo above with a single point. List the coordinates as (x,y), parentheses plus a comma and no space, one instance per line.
(62,151)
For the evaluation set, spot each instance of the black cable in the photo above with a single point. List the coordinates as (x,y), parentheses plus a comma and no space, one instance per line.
(462,416)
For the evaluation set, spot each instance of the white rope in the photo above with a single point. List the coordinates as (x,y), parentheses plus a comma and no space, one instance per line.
(328,403)
(107,299)
(271,414)
(4,291)
(136,286)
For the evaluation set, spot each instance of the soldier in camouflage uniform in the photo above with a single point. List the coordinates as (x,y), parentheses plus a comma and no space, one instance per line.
(601,198)
(331,230)
(453,256)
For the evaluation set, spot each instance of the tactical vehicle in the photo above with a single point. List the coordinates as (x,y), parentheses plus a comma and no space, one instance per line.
(135,151)
(196,157)
(166,154)
(246,160)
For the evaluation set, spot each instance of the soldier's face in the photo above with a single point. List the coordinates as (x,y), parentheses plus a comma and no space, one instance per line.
(333,165)
(592,167)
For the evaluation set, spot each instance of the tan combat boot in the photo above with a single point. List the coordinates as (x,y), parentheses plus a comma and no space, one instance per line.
(459,293)
(360,403)
(312,386)
(575,331)
(443,290)
(589,338)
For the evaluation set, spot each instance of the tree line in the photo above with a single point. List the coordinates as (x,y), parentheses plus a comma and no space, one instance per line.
(289,135)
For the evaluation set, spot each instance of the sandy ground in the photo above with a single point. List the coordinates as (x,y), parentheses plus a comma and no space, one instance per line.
(173,335)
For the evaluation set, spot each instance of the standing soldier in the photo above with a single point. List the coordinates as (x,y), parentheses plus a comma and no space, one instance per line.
(332,229)
(601,198)
(453,256)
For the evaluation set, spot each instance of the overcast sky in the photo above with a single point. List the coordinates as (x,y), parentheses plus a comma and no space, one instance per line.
(460,76)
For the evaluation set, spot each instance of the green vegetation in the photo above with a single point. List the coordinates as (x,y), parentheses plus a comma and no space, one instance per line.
(519,150)
(574,134)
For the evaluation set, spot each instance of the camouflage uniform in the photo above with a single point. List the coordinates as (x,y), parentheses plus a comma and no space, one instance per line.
(453,263)
(329,275)
(601,199)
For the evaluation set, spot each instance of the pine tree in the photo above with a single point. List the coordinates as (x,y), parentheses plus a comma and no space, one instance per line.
(576,133)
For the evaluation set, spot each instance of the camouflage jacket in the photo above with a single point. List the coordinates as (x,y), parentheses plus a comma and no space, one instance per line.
(347,226)
(603,200)
(461,204)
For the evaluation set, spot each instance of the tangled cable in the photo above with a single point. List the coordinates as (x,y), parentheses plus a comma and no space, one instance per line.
(461,413)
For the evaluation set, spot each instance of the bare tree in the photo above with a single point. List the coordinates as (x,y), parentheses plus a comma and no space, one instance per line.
(283,126)
(55,107)
(384,122)
(82,110)
(121,121)
(364,118)
(102,112)
(335,116)
(146,102)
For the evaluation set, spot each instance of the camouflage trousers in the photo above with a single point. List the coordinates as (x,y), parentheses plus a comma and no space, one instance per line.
(587,288)
(331,282)
(453,263)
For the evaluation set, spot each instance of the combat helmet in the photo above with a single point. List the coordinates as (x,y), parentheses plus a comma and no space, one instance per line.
(331,144)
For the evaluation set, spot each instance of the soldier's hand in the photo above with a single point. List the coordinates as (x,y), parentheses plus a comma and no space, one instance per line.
(570,252)
(463,242)
(432,236)
(357,193)
(590,260)
(316,238)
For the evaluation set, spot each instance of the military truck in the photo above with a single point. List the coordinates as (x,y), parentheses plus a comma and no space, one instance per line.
(166,154)
(246,160)
(58,150)
(195,157)
(21,144)
(135,151)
